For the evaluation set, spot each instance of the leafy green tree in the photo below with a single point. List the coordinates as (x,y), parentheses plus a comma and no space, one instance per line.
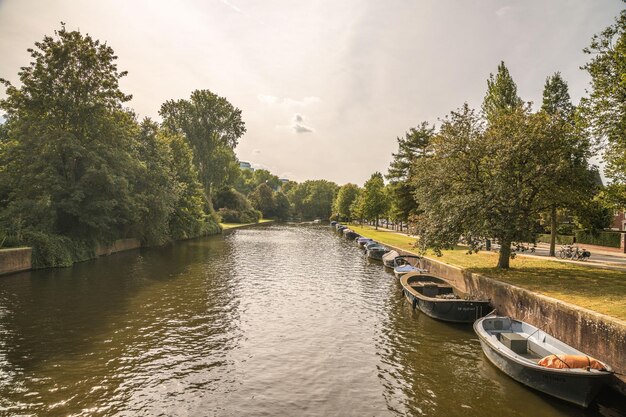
(188,219)
(212,126)
(491,182)
(574,184)
(69,162)
(401,192)
(234,207)
(375,199)
(605,108)
(501,94)
(262,199)
(313,199)
(283,208)
(343,201)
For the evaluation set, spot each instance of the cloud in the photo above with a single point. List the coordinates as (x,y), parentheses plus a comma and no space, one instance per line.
(288,101)
(232,6)
(256,151)
(503,10)
(298,125)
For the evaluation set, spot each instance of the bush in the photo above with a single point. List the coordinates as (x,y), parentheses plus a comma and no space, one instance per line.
(55,250)
(610,239)
(560,239)
(236,216)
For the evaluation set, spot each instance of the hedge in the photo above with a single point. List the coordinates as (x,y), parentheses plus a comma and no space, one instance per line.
(610,239)
(560,239)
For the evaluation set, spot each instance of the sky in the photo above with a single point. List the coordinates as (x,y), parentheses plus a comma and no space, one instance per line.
(325,86)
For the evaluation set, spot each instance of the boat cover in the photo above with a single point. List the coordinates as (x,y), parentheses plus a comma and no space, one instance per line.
(571,362)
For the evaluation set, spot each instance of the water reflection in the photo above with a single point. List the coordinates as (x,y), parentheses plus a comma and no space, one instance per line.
(278,320)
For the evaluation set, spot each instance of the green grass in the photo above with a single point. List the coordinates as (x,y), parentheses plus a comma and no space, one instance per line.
(226,226)
(601,290)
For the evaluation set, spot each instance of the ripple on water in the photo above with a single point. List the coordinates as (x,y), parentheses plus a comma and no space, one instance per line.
(279,320)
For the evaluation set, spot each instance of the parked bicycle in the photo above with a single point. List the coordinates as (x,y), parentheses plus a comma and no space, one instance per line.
(574,253)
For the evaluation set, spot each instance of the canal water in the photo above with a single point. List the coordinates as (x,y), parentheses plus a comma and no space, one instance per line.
(280,320)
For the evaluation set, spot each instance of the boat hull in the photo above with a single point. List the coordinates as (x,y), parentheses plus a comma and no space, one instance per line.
(454,311)
(577,386)
(375,254)
(577,389)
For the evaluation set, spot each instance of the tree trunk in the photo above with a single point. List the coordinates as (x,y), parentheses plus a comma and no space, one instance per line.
(505,254)
(553,230)
(376,225)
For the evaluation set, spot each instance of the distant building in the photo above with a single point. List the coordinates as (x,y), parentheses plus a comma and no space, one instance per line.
(245,165)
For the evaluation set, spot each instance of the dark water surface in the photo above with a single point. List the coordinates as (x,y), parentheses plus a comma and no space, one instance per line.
(268,321)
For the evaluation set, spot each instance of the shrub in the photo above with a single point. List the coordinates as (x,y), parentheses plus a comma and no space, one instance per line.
(56,251)
(610,239)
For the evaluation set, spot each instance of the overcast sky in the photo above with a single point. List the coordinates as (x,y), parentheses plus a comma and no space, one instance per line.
(325,86)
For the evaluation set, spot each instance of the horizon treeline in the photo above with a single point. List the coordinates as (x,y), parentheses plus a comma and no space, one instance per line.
(506,172)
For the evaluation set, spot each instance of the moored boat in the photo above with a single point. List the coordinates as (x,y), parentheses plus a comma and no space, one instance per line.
(350,234)
(404,264)
(376,251)
(362,241)
(527,354)
(333,223)
(341,227)
(438,299)
(389,258)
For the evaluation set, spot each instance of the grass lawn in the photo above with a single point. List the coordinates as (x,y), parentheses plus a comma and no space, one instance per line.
(226,226)
(601,290)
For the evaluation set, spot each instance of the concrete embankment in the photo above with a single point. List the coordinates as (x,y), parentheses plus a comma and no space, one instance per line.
(15,260)
(598,335)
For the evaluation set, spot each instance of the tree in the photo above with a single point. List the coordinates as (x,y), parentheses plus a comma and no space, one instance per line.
(490,182)
(343,201)
(375,200)
(262,199)
(605,108)
(68,162)
(574,185)
(283,208)
(212,126)
(313,199)
(413,146)
(501,94)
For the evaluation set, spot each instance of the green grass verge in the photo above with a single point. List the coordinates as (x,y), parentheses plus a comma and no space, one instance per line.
(226,226)
(601,290)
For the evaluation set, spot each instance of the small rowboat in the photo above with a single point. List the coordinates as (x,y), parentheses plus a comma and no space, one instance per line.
(350,234)
(517,349)
(376,251)
(404,264)
(389,258)
(362,241)
(333,223)
(341,227)
(438,299)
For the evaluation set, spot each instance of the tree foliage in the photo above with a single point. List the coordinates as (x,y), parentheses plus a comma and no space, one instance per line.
(312,199)
(605,108)
(77,170)
(375,200)
(344,199)
(413,146)
(212,126)
(501,94)
(491,181)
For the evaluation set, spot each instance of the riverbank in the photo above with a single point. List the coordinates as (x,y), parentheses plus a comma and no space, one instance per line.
(579,305)
(229,226)
(597,289)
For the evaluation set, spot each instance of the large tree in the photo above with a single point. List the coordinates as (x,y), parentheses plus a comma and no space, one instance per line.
(212,127)
(375,199)
(313,199)
(605,107)
(413,146)
(346,195)
(68,162)
(501,94)
(490,181)
(575,185)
